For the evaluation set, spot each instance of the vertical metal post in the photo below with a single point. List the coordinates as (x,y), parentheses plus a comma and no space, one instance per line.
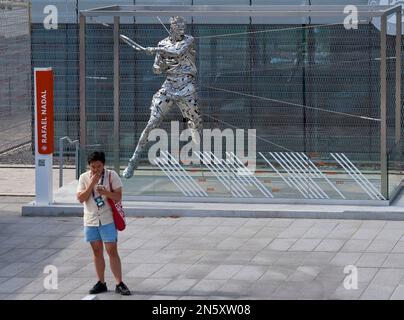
(116,93)
(61,162)
(398,79)
(29,17)
(82,66)
(76,159)
(383,108)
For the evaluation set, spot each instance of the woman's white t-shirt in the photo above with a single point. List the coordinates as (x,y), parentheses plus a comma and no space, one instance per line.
(92,215)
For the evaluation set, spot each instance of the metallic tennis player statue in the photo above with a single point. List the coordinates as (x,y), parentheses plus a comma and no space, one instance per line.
(175,56)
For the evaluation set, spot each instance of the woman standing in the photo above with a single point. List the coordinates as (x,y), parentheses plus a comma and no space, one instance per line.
(99,228)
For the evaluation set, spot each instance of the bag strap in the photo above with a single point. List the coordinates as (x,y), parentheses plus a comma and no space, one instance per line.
(110,183)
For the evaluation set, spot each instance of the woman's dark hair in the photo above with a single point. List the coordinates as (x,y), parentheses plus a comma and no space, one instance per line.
(96,156)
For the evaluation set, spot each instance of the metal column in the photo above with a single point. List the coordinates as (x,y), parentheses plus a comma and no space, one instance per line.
(116,94)
(383,107)
(82,66)
(398,80)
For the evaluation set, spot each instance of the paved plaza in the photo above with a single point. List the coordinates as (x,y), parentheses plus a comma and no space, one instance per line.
(205,258)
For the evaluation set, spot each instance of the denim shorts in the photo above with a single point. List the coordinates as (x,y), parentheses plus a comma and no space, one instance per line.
(105,233)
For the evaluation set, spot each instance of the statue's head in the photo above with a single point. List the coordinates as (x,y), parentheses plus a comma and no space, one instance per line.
(177,27)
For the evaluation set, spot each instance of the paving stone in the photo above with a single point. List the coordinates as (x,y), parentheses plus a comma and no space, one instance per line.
(302,223)
(381,246)
(318,290)
(150,256)
(269,232)
(151,285)
(287,290)
(266,257)
(48,296)
(13,284)
(304,273)
(356,245)
(247,231)
(398,293)
(19,296)
(156,244)
(277,273)
(70,284)
(13,269)
(231,244)
(390,234)
(341,293)
(399,247)
(394,225)
(291,259)
(394,260)
(371,260)
(342,232)
(132,243)
(145,270)
(38,255)
(388,276)
(198,231)
(206,287)
(366,275)
(345,258)
(317,232)
(260,222)
(305,245)
(170,270)
(214,256)
(235,288)
(195,298)
(224,272)
(240,257)
(293,233)
(197,271)
(330,245)
(365,234)
(223,230)
(373,224)
(73,296)
(263,289)
(250,273)
(163,297)
(281,244)
(316,258)
(178,287)
(331,273)
(36,286)
(377,292)
(256,244)
(283,222)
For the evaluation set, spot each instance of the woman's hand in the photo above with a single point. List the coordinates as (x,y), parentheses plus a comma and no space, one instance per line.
(101,190)
(95,178)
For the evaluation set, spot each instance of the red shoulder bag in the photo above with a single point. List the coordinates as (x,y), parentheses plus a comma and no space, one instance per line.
(117,210)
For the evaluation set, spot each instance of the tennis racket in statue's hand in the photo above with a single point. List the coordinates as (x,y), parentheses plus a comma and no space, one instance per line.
(138,47)
(132,43)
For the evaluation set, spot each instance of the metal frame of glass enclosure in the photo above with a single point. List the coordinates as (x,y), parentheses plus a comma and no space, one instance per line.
(117,11)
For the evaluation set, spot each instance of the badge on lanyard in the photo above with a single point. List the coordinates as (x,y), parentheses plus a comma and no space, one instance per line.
(99,201)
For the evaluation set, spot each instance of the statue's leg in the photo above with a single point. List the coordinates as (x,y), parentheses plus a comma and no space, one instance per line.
(160,106)
(190,110)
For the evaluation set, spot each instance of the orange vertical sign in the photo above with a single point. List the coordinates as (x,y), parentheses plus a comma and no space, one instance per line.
(44,110)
